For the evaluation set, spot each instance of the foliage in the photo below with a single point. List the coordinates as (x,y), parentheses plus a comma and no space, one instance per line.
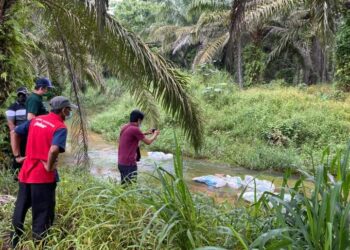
(137,14)
(14,49)
(254,66)
(270,126)
(318,218)
(161,213)
(343,55)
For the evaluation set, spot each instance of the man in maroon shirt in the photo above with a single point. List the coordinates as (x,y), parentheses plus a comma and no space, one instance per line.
(130,136)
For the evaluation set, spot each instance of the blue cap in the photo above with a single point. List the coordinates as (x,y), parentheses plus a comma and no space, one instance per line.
(43,82)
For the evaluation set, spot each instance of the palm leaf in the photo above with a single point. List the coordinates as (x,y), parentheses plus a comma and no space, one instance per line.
(199,6)
(128,58)
(211,50)
(206,18)
(260,11)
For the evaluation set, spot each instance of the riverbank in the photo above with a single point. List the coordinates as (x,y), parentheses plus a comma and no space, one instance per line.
(99,214)
(92,214)
(267,127)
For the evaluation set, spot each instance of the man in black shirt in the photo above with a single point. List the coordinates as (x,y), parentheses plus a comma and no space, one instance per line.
(16,115)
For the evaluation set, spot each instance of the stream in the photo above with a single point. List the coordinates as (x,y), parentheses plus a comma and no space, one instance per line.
(103,156)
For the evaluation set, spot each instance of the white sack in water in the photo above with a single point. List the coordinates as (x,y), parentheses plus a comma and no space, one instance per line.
(251,197)
(211,180)
(159,156)
(258,185)
(234,182)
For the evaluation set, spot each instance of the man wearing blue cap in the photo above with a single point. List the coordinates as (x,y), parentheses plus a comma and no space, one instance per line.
(34,104)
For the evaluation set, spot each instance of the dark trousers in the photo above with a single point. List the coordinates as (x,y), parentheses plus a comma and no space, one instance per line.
(42,199)
(128,174)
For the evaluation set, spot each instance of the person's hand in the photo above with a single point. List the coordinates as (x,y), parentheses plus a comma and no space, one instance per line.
(148,132)
(20,159)
(46,166)
(157,132)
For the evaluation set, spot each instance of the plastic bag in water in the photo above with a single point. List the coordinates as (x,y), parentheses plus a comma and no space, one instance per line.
(234,182)
(211,180)
(251,197)
(259,185)
(159,156)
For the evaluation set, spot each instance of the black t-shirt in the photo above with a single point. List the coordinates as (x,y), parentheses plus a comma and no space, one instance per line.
(17,113)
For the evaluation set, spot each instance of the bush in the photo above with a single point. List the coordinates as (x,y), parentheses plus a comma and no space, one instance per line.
(343,55)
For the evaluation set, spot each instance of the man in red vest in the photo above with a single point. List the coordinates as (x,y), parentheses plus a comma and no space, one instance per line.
(47,136)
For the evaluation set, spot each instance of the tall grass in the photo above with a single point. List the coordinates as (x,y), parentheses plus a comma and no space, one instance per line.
(317,216)
(164,214)
(183,224)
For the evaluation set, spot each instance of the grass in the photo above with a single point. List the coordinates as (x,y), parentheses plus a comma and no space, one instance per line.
(267,126)
(96,214)
(163,214)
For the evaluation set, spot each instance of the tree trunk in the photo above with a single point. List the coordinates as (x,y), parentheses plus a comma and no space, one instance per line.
(306,61)
(239,63)
(81,152)
(229,55)
(234,47)
(319,61)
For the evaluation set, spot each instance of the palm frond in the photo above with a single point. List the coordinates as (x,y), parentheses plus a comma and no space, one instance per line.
(79,135)
(260,11)
(211,50)
(287,37)
(206,18)
(148,105)
(185,40)
(199,6)
(167,35)
(130,60)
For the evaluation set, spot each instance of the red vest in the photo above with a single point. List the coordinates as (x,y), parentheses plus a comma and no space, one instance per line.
(40,135)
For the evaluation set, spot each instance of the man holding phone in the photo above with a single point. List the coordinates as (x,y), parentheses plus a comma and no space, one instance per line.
(130,136)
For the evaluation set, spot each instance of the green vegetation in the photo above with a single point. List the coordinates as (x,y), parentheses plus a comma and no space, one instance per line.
(290,60)
(271,126)
(165,215)
(343,54)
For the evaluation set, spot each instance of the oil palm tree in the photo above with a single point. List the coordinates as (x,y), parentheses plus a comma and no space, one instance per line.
(84,28)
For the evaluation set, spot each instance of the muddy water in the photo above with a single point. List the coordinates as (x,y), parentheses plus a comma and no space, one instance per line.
(103,157)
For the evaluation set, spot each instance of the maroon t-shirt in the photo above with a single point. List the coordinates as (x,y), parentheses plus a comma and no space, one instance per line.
(130,136)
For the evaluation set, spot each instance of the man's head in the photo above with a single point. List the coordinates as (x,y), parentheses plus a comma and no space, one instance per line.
(137,116)
(61,106)
(22,94)
(42,85)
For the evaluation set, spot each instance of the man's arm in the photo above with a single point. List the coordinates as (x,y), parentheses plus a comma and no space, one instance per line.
(15,142)
(58,145)
(16,134)
(11,116)
(149,141)
(52,159)
(11,124)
